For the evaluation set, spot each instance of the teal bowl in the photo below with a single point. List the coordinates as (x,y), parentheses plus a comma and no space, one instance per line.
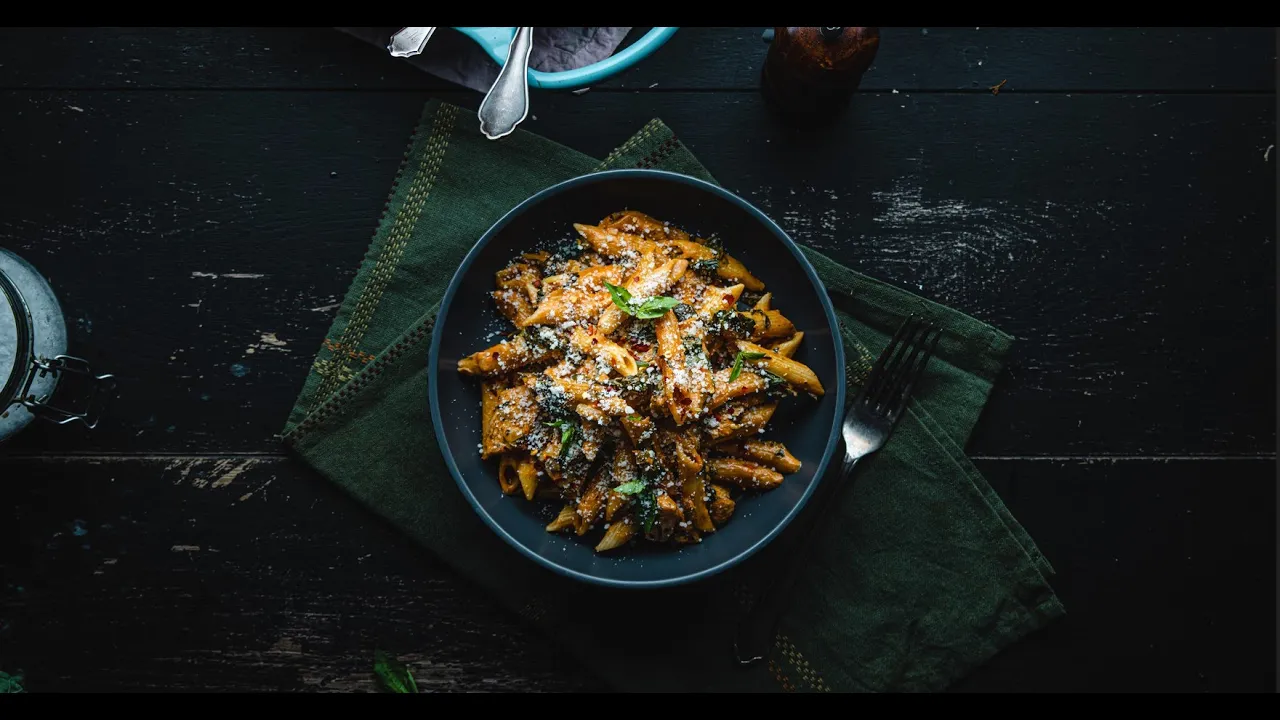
(495,41)
(809,427)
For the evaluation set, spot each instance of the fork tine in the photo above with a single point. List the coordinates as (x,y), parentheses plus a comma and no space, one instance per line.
(897,379)
(876,377)
(917,371)
(882,399)
(900,353)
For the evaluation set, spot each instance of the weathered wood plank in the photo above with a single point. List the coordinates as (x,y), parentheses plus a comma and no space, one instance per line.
(1166,571)
(948,59)
(203,240)
(231,574)
(249,573)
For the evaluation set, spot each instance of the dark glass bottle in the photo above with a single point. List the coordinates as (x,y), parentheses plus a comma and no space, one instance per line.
(811,72)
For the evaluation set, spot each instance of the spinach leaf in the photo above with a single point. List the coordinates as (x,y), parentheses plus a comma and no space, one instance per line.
(568,434)
(647,509)
(644,498)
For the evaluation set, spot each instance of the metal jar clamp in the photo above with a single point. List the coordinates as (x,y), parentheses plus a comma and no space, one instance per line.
(37,341)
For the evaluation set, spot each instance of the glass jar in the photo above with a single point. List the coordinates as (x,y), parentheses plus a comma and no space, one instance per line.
(810,73)
(33,359)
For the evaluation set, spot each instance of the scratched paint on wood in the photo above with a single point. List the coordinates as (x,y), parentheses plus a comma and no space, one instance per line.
(211,473)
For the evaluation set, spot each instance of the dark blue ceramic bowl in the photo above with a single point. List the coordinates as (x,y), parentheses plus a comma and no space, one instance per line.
(468,320)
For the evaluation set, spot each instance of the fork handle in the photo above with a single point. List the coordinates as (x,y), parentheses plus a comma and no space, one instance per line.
(756,631)
(409,41)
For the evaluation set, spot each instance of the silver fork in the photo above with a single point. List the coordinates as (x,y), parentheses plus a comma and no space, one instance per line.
(868,421)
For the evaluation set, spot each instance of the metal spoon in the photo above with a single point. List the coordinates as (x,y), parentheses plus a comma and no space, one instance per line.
(507,103)
(409,41)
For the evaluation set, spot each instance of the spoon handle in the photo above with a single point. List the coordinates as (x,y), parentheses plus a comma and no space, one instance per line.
(409,41)
(507,103)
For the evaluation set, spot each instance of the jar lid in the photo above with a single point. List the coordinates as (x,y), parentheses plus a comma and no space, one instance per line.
(14,339)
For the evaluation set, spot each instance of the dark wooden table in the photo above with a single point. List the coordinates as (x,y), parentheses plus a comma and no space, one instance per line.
(200,199)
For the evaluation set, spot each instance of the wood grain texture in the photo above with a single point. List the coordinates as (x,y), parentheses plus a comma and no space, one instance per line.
(201,242)
(240,573)
(250,573)
(200,198)
(936,59)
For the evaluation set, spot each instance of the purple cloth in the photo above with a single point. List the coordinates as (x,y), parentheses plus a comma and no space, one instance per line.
(456,58)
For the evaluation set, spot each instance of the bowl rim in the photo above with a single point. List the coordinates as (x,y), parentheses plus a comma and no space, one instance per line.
(433,368)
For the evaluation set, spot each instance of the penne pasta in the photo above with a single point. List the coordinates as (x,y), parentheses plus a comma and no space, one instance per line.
(612,243)
(629,392)
(744,474)
(509,474)
(746,383)
(687,380)
(668,519)
(690,250)
(616,535)
(517,292)
(766,452)
(505,357)
(715,299)
(721,506)
(564,520)
(739,420)
(639,429)
(591,342)
(637,223)
(731,269)
(592,414)
(769,325)
(514,417)
(689,464)
(528,476)
(689,289)
(612,504)
(591,505)
(787,348)
(578,296)
(489,392)
(796,373)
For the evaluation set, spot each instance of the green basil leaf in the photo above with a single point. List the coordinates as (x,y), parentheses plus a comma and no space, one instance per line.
(569,432)
(631,488)
(655,307)
(621,297)
(740,358)
(392,674)
(11,683)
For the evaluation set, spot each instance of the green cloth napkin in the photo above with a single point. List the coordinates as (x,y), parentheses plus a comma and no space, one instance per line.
(919,575)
